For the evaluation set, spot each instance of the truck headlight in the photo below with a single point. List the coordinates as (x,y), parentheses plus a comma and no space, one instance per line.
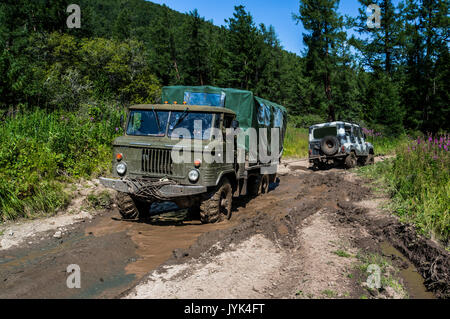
(193,175)
(121,168)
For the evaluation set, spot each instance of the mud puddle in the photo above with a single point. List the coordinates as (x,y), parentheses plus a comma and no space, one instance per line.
(40,270)
(157,239)
(168,233)
(412,279)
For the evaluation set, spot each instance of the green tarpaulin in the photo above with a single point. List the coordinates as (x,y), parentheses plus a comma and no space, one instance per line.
(251,110)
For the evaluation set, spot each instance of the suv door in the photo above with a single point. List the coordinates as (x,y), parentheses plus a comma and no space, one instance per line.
(364,147)
(358,140)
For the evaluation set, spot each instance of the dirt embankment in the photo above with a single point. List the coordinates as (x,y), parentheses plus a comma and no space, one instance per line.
(311,236)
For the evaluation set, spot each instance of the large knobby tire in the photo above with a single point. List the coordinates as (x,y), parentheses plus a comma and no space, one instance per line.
(131,208)
(351,160)
(217,206)
(329,145)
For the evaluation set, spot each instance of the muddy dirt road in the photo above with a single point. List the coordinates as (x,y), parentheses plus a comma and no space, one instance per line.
(312,236)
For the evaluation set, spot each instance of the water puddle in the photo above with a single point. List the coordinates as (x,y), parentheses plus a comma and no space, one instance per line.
(413,280)
(155,239)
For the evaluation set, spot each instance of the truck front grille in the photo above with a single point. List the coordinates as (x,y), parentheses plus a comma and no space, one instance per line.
(157,161)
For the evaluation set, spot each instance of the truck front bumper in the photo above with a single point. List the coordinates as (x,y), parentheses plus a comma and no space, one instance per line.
(168,191)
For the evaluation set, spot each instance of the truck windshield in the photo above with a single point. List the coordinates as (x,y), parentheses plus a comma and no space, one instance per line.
(154,123)
(147,122)
(321,132)
(195,123)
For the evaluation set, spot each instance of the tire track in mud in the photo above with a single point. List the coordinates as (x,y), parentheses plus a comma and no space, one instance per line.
(331,199)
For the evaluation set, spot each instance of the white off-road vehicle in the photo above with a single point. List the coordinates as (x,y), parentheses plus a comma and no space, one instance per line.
(339,143)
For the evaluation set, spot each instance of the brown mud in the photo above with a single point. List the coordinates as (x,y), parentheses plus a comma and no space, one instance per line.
(306,212)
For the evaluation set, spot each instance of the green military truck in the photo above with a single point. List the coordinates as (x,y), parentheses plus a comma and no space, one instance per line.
(144,169)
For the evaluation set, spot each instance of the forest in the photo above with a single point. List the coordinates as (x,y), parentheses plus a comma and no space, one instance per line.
(63,90)
(391,78)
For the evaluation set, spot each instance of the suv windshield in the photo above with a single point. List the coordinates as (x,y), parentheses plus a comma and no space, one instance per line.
(154,123)
(148,122)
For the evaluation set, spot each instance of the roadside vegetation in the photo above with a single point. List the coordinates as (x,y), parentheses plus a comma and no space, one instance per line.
(41,151)
(418,180)
(296,142)
(389,278)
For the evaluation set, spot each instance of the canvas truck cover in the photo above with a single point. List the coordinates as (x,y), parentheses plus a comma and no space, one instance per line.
(251,111)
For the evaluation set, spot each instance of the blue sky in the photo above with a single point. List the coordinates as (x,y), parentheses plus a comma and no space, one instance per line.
(270,12)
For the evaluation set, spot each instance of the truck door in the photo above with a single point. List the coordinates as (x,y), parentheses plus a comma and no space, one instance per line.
(227,124)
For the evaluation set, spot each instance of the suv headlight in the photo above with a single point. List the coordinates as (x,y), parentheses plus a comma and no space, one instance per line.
(121,168)
(193,175)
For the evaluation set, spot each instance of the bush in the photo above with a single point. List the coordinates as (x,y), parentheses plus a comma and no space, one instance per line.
(419,182)
(41,150)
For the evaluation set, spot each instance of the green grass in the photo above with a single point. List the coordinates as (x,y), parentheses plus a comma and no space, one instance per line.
(296,142)
(418,181)
(386,145)
(342,253)
(329,293)
(40,152)
(101,200)
(388,274)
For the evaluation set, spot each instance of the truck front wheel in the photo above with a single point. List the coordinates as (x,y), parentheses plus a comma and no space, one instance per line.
(217,205)
(131,208)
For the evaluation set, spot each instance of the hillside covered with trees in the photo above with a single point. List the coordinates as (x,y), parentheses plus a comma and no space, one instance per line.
(392,78)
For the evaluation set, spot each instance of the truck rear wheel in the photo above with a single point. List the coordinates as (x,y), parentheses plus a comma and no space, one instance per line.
(131,208)
(218,204)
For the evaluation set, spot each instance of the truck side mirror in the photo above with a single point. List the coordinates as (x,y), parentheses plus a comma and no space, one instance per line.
(235,124)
